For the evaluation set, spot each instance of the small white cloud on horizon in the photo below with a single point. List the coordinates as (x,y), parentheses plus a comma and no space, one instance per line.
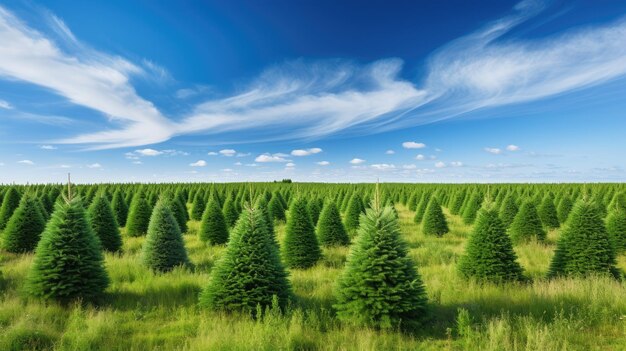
(5,105)
(390,152)
(94,165)
(306,152)
(290,164)
(413,145)
(456,164)
(493,150)
(267,157)
(212,153)
(383,166)
(440,164)
(48,147)
(512,147)
(228,152)
(199,163)
(26,162)
(410,166)
(148,152)
(419,157)
(323,163)
(356,161)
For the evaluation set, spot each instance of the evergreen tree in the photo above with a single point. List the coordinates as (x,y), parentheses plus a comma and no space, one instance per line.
(508,210)
(376,292)
(413,201)
(472,207)
(301,249)
(330,230)
(489,254)
(314,207)
(564,208)
(24,229)
(250,273)
(10,202)
(213,226)
(276,209)
(164,247)
(138,216)
(353,211)
(420,210)
(120,210)
(547,213)
(179,210)
(616,227)
(68,264)
(527,224)
(457,202)
(198,206)
(104,224)
(434,222)
(230,212)
(584,246)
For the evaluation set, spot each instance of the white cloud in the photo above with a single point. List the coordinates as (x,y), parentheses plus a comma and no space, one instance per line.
(199,163)
(440,164)
(413,145)
(212,153)
(267,157)
(26,162)
(5,105)
(493,150)
(456,164)
(307,152)
(94,165)
(227,170)
(411,166)
(290,164)
(512,147)
(390,152)
(148,152)
(238,164)
(48,147)
(65,166)
(383,166)
(323,163)
(356,161)
(228,152)
(419,157)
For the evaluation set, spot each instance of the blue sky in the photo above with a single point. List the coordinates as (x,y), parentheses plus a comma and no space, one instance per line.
(339,91)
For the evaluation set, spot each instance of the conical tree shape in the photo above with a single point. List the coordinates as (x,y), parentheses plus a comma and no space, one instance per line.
(547,213)
(330,230)
(104,224)
(138,216)
(261,205)
(472,207)
(420,210)
(120,210)
(213,227)
(379,287)
(564,208)
(508,210)
(527,225)
(24,229)
(412,203)
(198,207)
(434,222)
(489,254)
(584,246)
(230,212)
(68,262)
(276,209)
(10,202)
(164,247)
(616,227)
(301,249)
(250,272)
(353,212)
(457,202)
(314,210)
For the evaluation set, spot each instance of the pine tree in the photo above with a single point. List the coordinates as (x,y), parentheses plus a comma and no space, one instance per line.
(353,211)
(104,224)
(413,200)
(489,254)
(250,273)
(564,208)
(314,207)
(164,247)
(230,212)
(10,202)
(584,246)
(213,228)
(120,210)
(434,222)
(24,228)
(198,206)
(179,210)
(472,207)
(301,249)
(616,227)
(527,225)
(547,213)
(457,202)
(420,210)
(138,216)
(276,209)
(68,264)
(330,230)
(508,210)
(379,286)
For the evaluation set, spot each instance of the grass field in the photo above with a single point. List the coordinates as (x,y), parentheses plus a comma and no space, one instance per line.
(145,311)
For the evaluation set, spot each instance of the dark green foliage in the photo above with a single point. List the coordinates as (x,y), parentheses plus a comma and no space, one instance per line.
(301,249)
(315,207)
(489,254)
(68,263)
(230,212)
(276,209)
(457,202)
(104,224)
(178,208)
(616,227)
(213,227)
(420,210)
(547,213)
(527,225)
(380,286)
(10,202)
(330,230)
(412,203)
(24,229)
(584,246)
(164,247)
(250,273)
(508,210)
(138,216)
(198,206)
(472,207)
(120,210)
(434,222)
(564,208)
(353,211)
(261,205)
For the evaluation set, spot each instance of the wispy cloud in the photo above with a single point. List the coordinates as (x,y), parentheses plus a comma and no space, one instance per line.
(199,163)
(413,145)
(323,163)
(493,150)
(228,152)
(26,162)
(512,147)
(271,158)
(94,165)
(307,152)
(48,147)
(357,161)
(5,105)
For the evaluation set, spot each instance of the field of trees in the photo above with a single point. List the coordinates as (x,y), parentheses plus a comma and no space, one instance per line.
(303,266)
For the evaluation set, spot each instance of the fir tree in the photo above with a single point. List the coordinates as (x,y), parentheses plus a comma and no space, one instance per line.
(250,273)
(380,287)
(472,207)
(413,201)
(230,212)
(104,224)
(489,254)
(314,207)
(213,228)
(420,210)
(24,229)
(457,202)
(353,211)
(10,202)
(164,247)
(68,264)
(527,225)
(138,216)
(179,210)
(330,229)
(547,213)
(120,210)
(616,227)
(508,210)
(434,222)
(564,208)
(584,246)
(198,206)
(276,209)
(301,249)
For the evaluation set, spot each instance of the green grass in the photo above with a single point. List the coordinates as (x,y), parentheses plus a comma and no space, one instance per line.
(146,311)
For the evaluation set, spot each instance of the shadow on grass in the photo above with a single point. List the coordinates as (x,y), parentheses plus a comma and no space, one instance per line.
(162,296)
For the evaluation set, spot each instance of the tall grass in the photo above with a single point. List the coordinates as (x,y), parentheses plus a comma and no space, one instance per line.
(146,311)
